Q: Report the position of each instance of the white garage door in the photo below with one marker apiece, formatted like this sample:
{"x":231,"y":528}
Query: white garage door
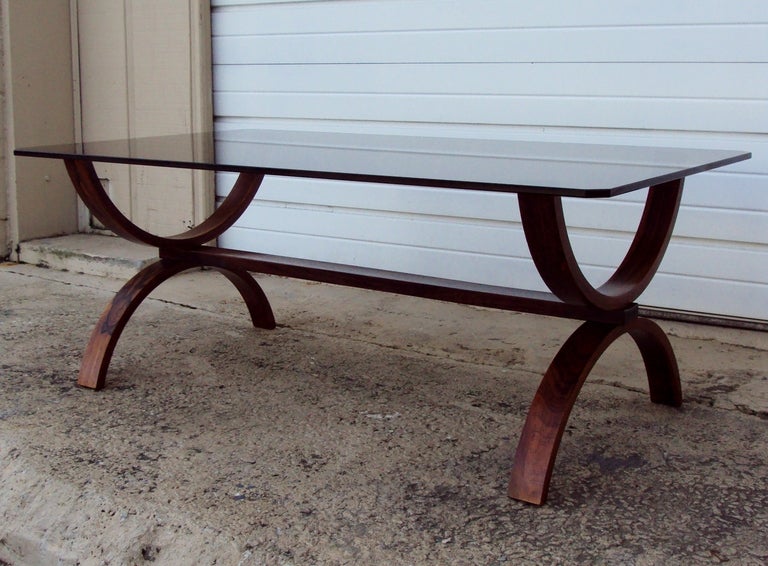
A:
{"x":679,"y":74}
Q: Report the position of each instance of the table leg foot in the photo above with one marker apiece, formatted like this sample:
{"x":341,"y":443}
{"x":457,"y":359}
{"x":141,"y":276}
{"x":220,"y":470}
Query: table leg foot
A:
{"x":253,"y":296}
{"x":106,"y":333}
{"x":98,"y":353}
{"x":557,"y":393}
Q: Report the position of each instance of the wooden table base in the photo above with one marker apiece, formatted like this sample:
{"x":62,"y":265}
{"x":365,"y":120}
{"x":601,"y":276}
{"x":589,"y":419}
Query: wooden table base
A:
{"x":608,"y":310}
{"x":552,"y":404}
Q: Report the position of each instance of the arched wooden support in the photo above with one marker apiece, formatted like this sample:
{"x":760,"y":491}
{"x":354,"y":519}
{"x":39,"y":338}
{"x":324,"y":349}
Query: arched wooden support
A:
{"x":253,"y":296}
{"x":552,"y":404}
{"x":547,"y":236}
{"x":106,"y":333}
{"x":86,"y":182}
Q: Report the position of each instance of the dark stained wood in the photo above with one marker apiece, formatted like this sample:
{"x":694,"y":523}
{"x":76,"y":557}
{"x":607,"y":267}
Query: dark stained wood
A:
{"x":106,"y":333}
{"x":98,"y":353}
{"x":519,"y":300}
{"x":547,"y":237}
{"x":255,"y":299}
{"x":87,"y":184}
{"x":552,"y":404}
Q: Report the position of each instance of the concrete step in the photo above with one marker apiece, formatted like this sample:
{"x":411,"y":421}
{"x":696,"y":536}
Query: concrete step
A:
{"x":92,"y":254}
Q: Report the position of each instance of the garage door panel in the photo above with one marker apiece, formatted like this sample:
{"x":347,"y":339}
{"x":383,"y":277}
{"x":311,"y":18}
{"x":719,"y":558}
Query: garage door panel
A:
{"x":745,"y":192}
{"x":713,"y":115}
{"x":393,"y":204}
{"x":668,"y":291}
{"x":385,"y":199}
{"x":237,"y":17}
{"x":599,"y":253}
{"x":709,"y":261}
{"x":506,"y":270}
{"x":694,"y":44}
{"x":693,"y":295}
{"x":651,"y":73}
{"x":722,"y":80}
{"x":424,"y":231}
{"x":692,"y":222}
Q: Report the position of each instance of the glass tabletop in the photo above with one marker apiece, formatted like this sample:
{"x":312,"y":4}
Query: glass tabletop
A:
{"x":568,"y":169}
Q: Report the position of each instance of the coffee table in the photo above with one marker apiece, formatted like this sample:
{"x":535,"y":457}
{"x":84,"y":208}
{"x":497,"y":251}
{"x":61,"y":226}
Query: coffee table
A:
{"x":539,"y":173}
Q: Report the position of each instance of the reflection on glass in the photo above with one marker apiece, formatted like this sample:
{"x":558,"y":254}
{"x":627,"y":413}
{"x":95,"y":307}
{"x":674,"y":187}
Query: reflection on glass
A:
{"x":570,"y":169}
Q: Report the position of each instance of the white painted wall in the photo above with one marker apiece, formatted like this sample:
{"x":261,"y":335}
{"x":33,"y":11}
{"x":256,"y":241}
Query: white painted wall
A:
{"x":652,"y":73}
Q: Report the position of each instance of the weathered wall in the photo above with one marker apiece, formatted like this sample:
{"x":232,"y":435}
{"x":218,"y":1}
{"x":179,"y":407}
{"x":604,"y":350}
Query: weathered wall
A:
{"x":4,"y":235}
{"x":38,"y":110}
{"x":145,"y":70}
{"x":135,"y":67}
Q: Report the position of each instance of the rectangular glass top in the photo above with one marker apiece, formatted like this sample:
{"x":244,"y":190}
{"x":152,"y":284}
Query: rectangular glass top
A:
{"x":569,"y":169}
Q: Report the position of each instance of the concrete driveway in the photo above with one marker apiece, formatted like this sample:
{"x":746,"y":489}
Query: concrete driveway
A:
{"x":366,"y":429}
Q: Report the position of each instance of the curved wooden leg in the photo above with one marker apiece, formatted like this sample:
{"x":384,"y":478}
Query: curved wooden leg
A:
{"x":547,"y":236}
{"x":659,"y":360}
{"x":98,"y":353}
{"x":254,"y":297}
{"x":104,"y":337}
{"x":557,"y":393}
{"x":89,"y":188}
{"x":106,"y":333}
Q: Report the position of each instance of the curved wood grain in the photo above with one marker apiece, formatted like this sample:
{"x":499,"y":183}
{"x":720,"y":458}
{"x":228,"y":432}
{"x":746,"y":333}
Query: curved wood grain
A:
{"x":253,"y":296}
{"x":87,"y":184}
{"x":547,"y":236}
{"x":557,"y":393}
{"x":106,"y":333}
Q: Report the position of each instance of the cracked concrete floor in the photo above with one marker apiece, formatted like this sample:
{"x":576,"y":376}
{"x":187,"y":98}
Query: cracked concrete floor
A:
{"x":365,"y":429}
